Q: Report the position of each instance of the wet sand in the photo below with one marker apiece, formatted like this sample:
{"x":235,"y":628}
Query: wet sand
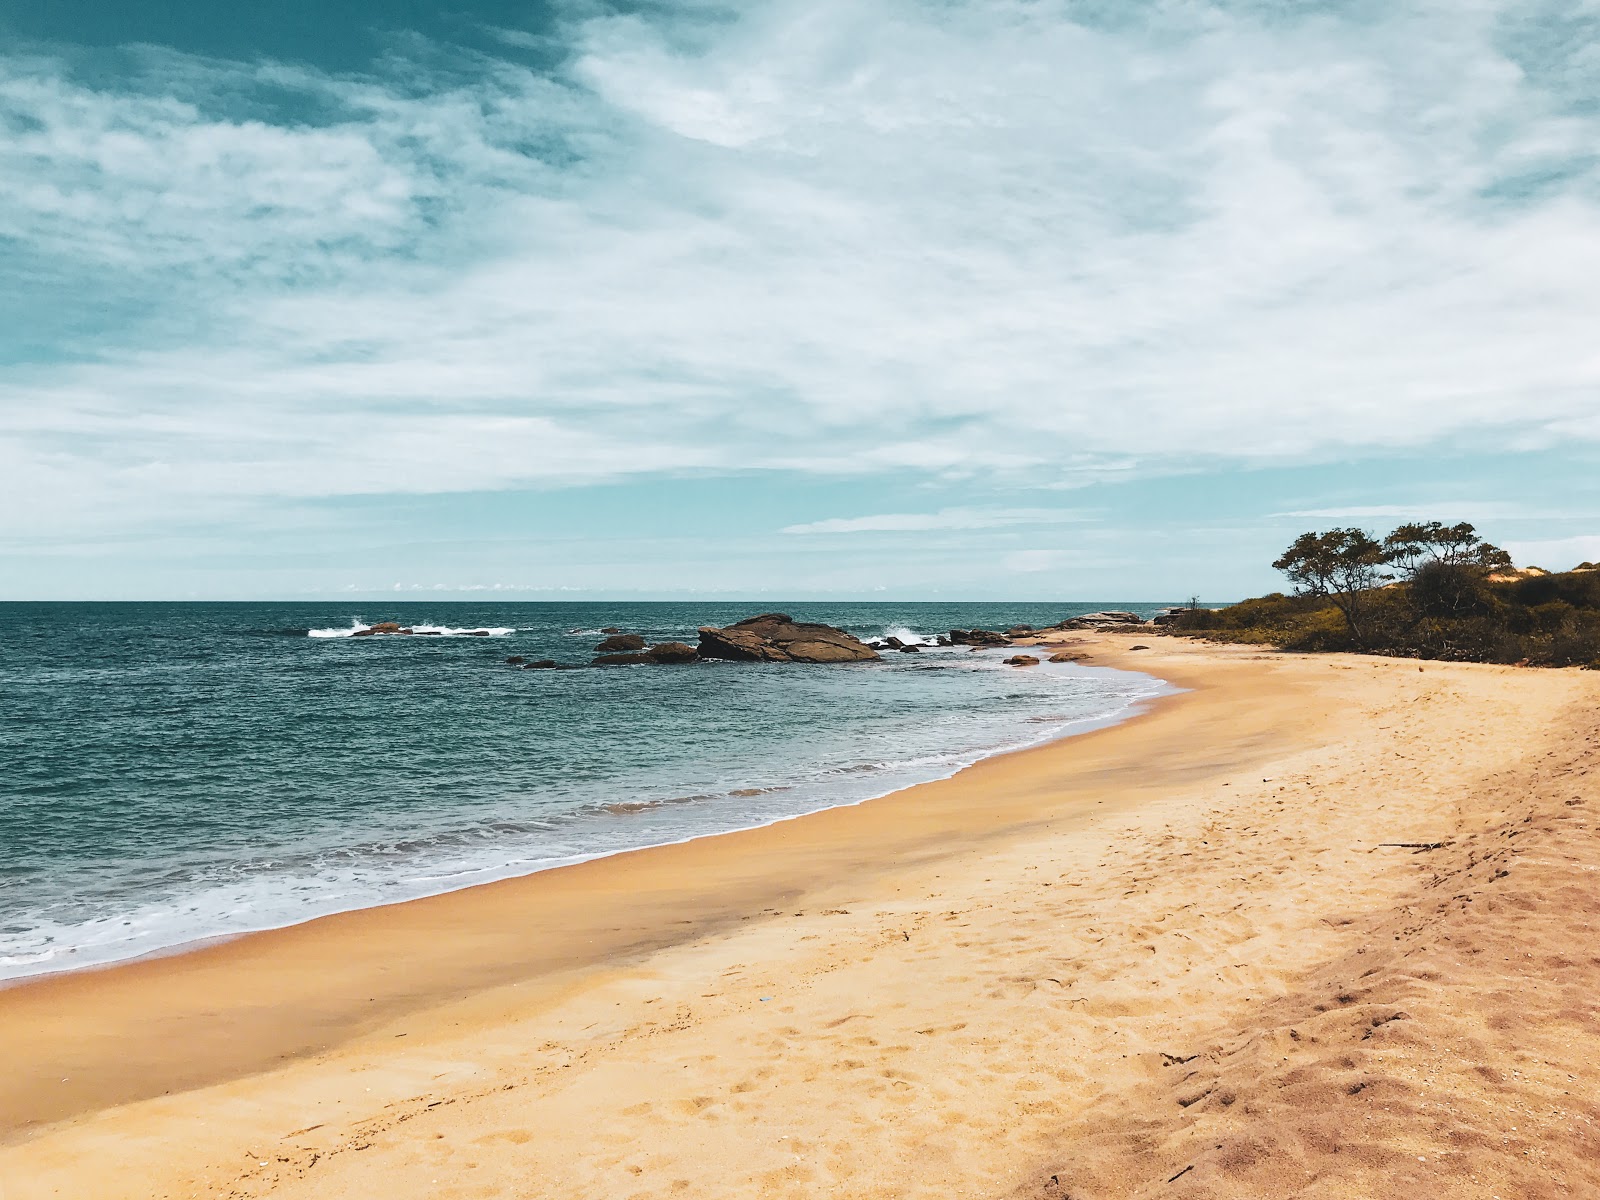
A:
{"x":1179,"y":957}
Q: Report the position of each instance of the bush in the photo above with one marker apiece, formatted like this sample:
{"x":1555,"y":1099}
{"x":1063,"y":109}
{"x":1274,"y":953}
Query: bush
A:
{"x":1447,"y":612}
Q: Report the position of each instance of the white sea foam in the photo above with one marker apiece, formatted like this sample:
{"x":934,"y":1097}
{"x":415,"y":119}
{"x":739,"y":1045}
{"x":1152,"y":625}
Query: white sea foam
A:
{"x":424,"y":630}
{"x":285,"y":886}
{"x":909,"y":636}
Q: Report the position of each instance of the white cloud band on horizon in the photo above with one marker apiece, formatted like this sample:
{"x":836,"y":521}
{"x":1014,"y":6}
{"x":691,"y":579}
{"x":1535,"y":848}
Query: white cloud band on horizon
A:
{"x":949,"y":518}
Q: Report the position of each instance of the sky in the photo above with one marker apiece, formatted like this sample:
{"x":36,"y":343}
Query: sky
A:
{"x":949,"y":299}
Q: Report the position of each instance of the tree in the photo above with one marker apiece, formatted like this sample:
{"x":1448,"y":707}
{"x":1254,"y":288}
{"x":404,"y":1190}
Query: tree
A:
{"x":1342,"y":565}
{"x":1416,"y":546}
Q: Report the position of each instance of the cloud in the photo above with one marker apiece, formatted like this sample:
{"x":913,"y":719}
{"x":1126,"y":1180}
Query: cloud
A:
{"x":1557,"y":554}
{"x":983,"y":240}
{"x":949,"y":518}
{"x":1447,"y":510}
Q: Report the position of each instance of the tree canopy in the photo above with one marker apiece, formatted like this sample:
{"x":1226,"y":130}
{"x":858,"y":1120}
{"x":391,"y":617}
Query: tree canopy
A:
{"x":1342,"y":565}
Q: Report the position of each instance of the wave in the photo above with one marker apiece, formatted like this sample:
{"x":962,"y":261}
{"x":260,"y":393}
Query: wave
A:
{"x":909,"y":636}
{"x":356,"y":626}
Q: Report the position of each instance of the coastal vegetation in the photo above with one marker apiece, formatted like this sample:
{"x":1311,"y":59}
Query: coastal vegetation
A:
{"x":1429,"y":591}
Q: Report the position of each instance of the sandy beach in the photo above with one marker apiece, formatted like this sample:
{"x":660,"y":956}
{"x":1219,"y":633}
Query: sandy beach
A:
{"x":1320,"y":926}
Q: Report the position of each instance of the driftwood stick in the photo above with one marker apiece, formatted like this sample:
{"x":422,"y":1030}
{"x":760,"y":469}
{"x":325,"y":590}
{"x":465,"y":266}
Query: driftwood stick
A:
{"x":1414,"y":845}
{"x":1181,"y":1173}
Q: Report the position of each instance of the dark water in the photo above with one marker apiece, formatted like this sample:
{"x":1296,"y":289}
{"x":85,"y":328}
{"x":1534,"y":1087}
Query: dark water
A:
{"x":178,"y":771}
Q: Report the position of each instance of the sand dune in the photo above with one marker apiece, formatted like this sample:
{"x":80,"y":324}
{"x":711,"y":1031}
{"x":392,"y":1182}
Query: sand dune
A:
{"x":1179,"y":958}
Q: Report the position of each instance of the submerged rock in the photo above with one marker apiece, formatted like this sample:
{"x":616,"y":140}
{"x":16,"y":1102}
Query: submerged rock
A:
{"x":778,"y":637}
{"x":543,"y":664}
{"x":380,"y":627}
{"x":623,"y":660}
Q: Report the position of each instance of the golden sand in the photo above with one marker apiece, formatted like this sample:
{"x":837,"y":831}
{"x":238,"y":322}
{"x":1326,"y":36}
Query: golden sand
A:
{"x":1322,"y":927}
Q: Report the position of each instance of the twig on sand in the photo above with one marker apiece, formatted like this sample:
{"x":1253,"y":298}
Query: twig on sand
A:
{"x":1181,"y":1173}
{"x":1412,"y":845}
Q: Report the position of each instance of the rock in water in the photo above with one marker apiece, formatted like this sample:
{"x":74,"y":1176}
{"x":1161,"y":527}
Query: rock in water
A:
{"x":621,"y":643}
{"x":978,"y":637}
{"x":623,"y":660}
{"x":1022,"y":660}
{"x":777,"y":637}
{"x":380,"y":627}
{"x":672,"y":652}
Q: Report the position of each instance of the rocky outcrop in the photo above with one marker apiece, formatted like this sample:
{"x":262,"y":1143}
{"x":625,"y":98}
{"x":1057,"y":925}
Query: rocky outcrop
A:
{"x":380,"y":627}
{"x":778,"y":637}
{"x":1103,"y":620}
{"x":621,"y":643}
{"x":978,"y":637}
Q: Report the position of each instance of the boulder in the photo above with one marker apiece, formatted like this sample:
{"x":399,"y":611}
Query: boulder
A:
{"x":672,"y":652}
{"x":1022,"y":660}
{"x":893,"y":643}
{"x":630,"y":643}
{"x":1138,"y":647}
{"x":910,"y":649}
{"x":1017,"y":631}
{"x":778,"y":637}
{"x":1062,"y":656}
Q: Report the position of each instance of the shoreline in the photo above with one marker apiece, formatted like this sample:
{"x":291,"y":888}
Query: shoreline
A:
{"x":244,"y":1040}
{"x":1175,"y":945}
{"x":1129,"y":711}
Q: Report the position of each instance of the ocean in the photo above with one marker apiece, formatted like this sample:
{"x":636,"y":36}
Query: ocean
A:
{"x":177,"y":772}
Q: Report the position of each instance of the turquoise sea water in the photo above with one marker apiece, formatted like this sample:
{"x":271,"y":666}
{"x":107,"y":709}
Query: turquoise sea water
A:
{"x":174,"y":772}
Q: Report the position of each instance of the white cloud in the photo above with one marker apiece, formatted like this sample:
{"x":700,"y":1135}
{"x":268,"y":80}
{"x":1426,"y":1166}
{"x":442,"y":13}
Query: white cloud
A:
{"x":1442,"y":510}
{"x":977,"y":238}
{"x":949,"y":518}
{"x":1557,"y":554}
